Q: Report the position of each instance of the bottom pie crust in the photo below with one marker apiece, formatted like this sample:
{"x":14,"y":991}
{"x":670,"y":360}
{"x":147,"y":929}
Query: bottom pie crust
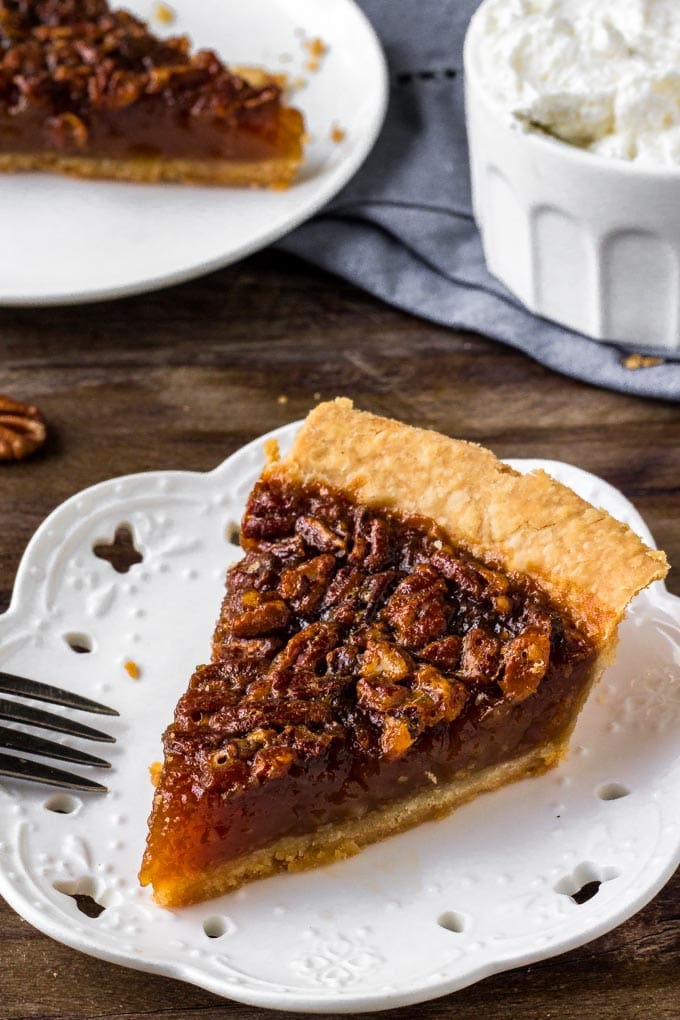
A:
{"x":266,"y":173}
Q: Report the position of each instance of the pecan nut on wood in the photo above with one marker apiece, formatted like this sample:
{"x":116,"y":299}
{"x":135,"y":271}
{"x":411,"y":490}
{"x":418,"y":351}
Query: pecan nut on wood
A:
{"x":22,"y":429}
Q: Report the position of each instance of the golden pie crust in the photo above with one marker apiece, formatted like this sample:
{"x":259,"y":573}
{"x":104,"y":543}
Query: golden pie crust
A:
{"x":590,"y":563}
{"x":269,"y":173}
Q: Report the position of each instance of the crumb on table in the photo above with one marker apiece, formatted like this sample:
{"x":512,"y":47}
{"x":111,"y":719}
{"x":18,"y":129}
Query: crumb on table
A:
{"x":635,"y":361}
{"x":132,"y":669}
{"x":282,"y":399}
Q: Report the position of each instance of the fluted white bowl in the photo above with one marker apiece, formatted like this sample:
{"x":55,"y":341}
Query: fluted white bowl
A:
{"x":589,"y":242}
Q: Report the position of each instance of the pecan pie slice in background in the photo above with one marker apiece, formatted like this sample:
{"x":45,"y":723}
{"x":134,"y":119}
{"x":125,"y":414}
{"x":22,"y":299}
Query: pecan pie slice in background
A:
{"x":91,"y":92}
{"x":413,"y":623}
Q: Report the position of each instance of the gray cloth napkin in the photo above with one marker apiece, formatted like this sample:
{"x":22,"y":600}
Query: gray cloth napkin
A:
{"x":403,"y":229}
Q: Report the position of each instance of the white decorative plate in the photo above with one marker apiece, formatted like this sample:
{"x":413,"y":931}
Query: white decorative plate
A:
{"x":68,"y":241}
{"x":416,"y":916}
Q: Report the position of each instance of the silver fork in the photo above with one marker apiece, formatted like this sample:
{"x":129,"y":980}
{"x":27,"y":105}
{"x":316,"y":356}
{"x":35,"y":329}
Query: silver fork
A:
{"x":17,"y":767}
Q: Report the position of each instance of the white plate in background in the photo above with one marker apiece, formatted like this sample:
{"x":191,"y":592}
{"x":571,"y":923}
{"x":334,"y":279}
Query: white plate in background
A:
{"x":66,"y":241}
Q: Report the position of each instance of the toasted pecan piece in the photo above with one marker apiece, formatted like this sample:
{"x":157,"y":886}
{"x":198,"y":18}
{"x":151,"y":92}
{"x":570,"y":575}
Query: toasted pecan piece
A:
{"x":22,"y":429}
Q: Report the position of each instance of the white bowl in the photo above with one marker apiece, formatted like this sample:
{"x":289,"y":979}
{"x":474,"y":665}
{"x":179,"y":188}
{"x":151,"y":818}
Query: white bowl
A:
{"x":590,"y":242}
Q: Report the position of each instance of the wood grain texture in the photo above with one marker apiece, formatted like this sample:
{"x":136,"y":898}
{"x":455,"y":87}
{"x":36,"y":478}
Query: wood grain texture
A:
{"x":180,"y":379}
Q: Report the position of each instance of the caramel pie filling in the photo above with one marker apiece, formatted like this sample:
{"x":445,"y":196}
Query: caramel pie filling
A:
{"x":358,"y":658}
{"x":79,"y":78}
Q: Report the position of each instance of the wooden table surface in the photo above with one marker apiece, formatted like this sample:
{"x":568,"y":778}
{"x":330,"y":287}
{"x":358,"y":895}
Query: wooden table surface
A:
{"x":180,"y":379}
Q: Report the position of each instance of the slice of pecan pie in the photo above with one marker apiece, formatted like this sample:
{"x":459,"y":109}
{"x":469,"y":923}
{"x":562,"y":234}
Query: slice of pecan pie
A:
{"x":89,"y":91}
{"x":413,"y":623}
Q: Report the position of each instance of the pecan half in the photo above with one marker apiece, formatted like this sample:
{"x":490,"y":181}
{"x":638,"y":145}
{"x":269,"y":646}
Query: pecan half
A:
{"x":444,"y":652}
{"x":342,"y":594}
{"x":417,"y":609}
{"x":385,"y":660}
{"x":256,"y":570}
{"x":248,"y":656}
{"x":448,"y":697}
{"x":375,"y":590}
{"x":308,"y":648}
{"x":472,"y":578}
{"x":22,"y":429}
{"x":371,"y":541}
{"x":526,"y":659}
{"x":480,"y":656}
{"x":262,"y":614}
{"x":305,"y":586}
{"x":319,"y":536}
{"x":378,"y":695}
{"x":273,"y":762}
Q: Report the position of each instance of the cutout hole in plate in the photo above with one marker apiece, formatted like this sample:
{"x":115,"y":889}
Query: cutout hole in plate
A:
{"x":612,"y":791}
{"x":452,"y":921}
{"x":215,"y":926}
{"x":586,"y":892}
{"x":81,"y":644}
{"x":585,"y":881}
{"x":83,"y":893}
{"x":62,"y":804}
{"x":121,"y":553}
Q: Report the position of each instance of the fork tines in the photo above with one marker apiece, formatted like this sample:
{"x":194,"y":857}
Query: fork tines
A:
{"x":14,"y":711}
{"x":25,"y":688}
{"x":17,"y":767}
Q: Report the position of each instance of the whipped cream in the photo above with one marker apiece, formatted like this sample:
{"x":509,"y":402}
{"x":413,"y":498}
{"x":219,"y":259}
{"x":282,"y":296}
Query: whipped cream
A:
{"x":600,"y":74}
